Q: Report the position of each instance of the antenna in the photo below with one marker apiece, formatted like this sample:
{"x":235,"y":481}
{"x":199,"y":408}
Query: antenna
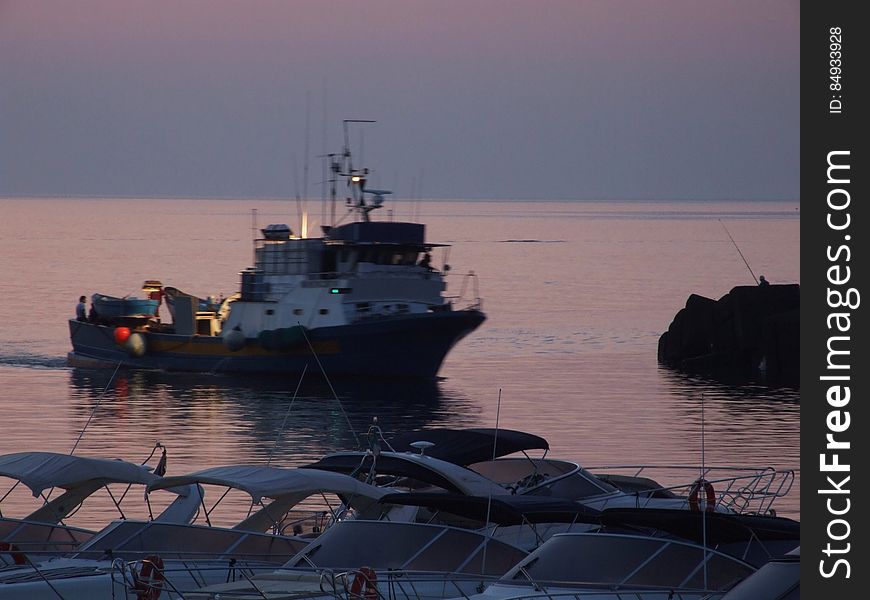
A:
{"x":420,"y":192}
{"x":348,"y":166}
{"x":334,"y":169}
{"x":706,"y":508}
{"x":307,"y":137}
{"x":254,"y":232}
{"x":738,"y":251}
{"x":323,"y":154}
{"x":357,"y":178}
{"x":489,"y":500}
{"x":299,"y":210}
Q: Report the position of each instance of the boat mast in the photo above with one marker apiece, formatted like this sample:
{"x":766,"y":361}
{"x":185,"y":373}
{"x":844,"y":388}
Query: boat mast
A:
{"x":349,"y":171}
{"x":254,"y":233}
{"x":335,"y":169}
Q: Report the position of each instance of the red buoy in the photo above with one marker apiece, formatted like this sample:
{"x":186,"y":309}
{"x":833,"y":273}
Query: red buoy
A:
{"x":122,"y":334}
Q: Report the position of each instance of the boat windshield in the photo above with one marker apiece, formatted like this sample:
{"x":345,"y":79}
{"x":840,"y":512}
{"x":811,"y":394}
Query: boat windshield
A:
{"x":544,"y":477}
{"x":778,"y":579}
{"x":576,"y":486}
{"x":132,"y":539}
{"x":382,"y":545}
{"x":626,"y":560}
{"x":32,"y":536}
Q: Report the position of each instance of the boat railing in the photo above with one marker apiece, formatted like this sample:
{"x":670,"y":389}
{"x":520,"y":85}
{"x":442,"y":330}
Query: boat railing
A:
{"x":390,"y":584}
{"x":208,"y":572}
{"x":746,"y":490}
{"x":471,"y":285}
{"x":604,"y":594}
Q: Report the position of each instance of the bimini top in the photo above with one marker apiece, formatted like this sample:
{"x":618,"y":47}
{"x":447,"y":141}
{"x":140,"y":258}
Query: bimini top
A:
{"x":501,"y":510}
{"x":43,"y":470}
{"x":426,"y":469}
{"x":468,"y":446}
{"x":273,"y":482}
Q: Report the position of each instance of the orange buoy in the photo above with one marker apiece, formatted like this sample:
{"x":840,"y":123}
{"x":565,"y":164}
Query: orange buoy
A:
{"x":122,"y":334}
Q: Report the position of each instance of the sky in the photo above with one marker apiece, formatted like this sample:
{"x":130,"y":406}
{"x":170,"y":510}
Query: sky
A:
{"x":511,"y":99}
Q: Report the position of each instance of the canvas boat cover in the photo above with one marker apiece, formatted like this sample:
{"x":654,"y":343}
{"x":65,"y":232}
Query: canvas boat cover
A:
{"x":428,"y":469}
{"x":501,"y":510}
{"x":469,"y":446}
{"x":42,"y":470}
{"x":714,"y":527}
{"x":274,"y":482}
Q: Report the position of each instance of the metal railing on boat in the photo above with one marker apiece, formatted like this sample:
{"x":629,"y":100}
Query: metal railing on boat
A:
{"x":746,"y":490}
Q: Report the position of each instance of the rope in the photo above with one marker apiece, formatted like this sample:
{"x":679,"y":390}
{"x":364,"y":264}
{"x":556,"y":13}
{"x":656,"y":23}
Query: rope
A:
{"x":489,"y":499}
{"x":287,"y":414}
{"x":329,"y":383}
{"x":99,"y":400}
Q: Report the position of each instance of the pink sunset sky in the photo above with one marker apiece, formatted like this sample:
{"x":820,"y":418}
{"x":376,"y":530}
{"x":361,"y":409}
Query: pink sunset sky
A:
{"x":476,"y":99}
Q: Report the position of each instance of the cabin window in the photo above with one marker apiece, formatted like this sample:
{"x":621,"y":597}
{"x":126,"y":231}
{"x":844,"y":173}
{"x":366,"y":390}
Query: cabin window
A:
{"x":329,"y":261}
{"x":270,"y":311}
{"x":297,"y":311}
{"x":324,"y":311}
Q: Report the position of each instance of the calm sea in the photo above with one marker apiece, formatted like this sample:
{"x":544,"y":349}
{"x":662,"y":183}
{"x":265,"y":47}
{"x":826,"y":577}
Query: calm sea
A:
{"x":576,"y":294}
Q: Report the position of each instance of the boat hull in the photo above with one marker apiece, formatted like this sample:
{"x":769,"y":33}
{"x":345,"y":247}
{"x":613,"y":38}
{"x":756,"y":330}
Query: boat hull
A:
{"x":401,"y":346}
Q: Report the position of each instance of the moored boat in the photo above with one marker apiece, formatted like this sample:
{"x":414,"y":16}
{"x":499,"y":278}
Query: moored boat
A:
{"x":365,"y":298}
{"x":109,"y":307}
{"x":46,"y":531}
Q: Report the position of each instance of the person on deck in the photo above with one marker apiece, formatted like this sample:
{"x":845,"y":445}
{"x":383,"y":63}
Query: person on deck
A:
{"x":81,"y":310}
{"x":426,"y":261}
{"x":762,"y":281}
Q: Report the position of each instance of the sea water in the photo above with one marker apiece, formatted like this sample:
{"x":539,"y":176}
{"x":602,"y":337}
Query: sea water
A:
{"x":576,"y":296}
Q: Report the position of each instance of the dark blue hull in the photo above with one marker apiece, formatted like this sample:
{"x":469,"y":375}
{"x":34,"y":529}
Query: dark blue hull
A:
{"x":403,"y":346}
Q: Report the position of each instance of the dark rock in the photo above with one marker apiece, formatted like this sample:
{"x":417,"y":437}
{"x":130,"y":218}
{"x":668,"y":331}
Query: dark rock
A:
{"x":752,"y":332}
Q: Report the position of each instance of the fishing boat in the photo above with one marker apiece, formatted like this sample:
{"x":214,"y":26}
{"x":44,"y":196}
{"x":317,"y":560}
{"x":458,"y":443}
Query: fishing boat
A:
{"x":363,"y":299}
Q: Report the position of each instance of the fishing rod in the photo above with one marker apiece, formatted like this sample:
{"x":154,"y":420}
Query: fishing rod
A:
{"x":738,"y":251}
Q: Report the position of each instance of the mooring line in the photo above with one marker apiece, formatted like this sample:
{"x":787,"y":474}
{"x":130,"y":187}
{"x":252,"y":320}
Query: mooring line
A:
{"x":329,"y":383}
{"x":99,"y":400}
{"x":287,"y":415}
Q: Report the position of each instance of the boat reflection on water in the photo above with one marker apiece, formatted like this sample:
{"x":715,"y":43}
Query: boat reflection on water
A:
{"x":237,"y":419}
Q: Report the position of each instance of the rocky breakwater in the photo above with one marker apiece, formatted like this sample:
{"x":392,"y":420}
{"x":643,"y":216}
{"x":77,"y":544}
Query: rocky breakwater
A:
{"x":751,"y":333}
